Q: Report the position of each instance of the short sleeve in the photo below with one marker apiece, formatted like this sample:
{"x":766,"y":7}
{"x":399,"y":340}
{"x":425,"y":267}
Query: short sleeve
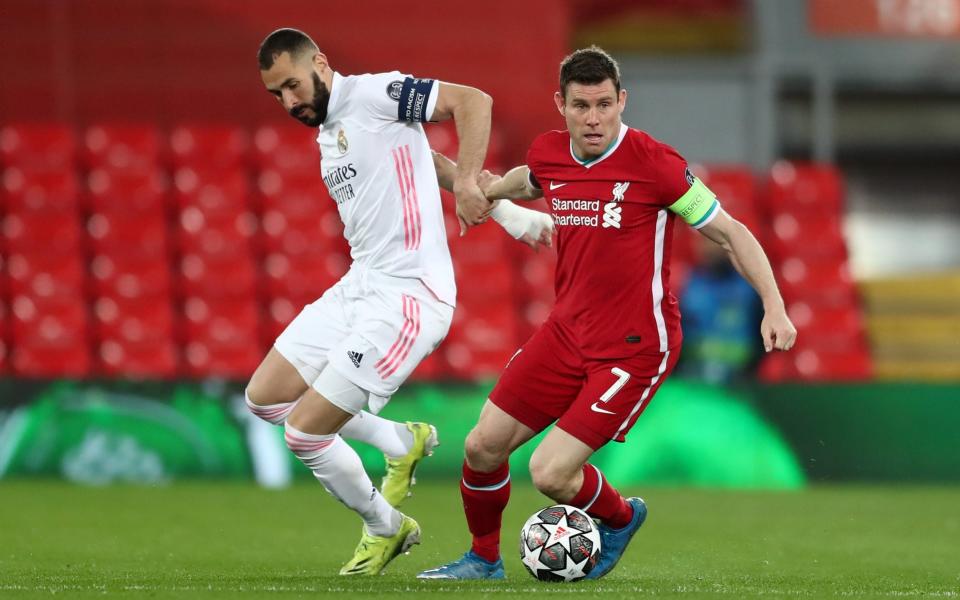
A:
{"x":397,"y":97}
{"x":533,"y":164}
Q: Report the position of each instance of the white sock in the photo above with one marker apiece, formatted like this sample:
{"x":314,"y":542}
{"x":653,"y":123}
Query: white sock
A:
{"x":337,"y":466}
{"x":271,"y":413}
{"x":390,"y":437}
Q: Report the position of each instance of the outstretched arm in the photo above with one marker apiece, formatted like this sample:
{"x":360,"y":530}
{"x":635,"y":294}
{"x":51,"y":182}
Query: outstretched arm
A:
{"x":531,"y":227}
{"x":470,"y":110}
{"x":750,"y":261}
{"x":515,"y":185}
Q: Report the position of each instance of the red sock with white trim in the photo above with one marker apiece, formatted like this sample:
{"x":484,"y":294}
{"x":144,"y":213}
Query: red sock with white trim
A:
{"x":600,"y":500}
{"x":485,"y":495}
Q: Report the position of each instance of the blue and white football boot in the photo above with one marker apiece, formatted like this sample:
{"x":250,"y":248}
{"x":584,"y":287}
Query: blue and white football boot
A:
{"x":469,"y":566}
{"x":613,"y":542}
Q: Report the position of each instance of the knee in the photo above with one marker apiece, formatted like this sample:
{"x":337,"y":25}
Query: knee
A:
{"x":275,"y":414}
{"x":483,"y":453}
{"x":549,"y":479}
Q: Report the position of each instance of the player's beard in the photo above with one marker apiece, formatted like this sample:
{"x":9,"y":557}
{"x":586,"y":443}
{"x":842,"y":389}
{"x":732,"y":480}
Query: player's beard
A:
{"x":321,"y":99}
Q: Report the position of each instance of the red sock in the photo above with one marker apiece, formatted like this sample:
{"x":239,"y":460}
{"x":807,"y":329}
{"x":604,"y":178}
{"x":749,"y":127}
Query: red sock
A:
{"x":485,"y":495}
{"x":599,"y":500}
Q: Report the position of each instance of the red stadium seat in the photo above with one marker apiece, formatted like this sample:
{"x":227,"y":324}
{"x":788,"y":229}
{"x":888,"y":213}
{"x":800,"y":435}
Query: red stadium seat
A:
{"x":280,"y":311}
{"x":221,"y":338}
{"x":432,"y":368}
{"x":122,"y":147}
{"x":36,"y":148}
{"x":130,"y":276}
{"x":43,"y":233}
{"x":824,"y":364}
{"x":486,"y":282}
{"x":302,"y":233}
{"x":216,"y":194}
{"x":443,"y":139}
{"x":208,"y":359}
{"x":815,"y":236}
{"x":137,"y":320}
{"x":47,"y":318}
{"x":51,"y":358}
{"x":50,"y":337}
{"x":487,"y":243}
{"x":223,"y":275}
{"x":209,"y":147}
{"x":481,"y":341}
{"x":4,"y":336}
{"x":198,"y":233}
{"x":125,"y":192}
{"x":137,"y":360}
{"x":828,"y":327}
{"x":803,"y":189}
{"x":139,"y":234}
{"x":278,"y":186}
{"x":823,"y":283}
{"x":46,"y":192}
{"x":303,"y":275}
{"x":46,"y":276}
{"x":290,"y":148}
{"x":230,"y":321}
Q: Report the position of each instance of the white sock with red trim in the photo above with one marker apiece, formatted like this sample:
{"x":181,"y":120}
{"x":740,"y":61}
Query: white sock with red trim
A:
{"x":390,"y":437}
{"x":337,"y":466}
{"x":271,"y":413}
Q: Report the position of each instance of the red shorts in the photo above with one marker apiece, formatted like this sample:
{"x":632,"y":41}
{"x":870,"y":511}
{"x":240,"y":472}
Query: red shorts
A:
{"x":594,"y":400}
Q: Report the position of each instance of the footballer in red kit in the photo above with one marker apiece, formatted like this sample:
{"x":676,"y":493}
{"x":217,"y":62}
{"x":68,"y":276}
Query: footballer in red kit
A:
{"x":614,"y":335}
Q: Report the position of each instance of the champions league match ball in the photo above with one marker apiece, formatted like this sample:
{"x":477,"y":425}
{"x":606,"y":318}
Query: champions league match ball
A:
{"x":559,"y":543}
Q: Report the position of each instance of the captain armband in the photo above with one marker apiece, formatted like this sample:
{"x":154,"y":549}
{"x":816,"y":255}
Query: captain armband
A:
{"x":698,"y":206}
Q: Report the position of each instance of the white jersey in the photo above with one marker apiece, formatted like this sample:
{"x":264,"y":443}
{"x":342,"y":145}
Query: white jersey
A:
{"x":377,"y":166}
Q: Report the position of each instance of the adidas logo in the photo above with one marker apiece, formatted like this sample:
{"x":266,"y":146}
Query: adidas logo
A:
{"x":560,"y":533}
{"x":355,"y":357}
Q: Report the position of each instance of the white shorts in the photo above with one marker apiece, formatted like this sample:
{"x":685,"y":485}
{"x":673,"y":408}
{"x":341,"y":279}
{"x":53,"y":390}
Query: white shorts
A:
{"x":372,"y":329}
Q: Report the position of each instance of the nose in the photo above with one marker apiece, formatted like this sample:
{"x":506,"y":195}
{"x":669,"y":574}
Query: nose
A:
{"x":593,"y":117}
{"x":289,"y":99}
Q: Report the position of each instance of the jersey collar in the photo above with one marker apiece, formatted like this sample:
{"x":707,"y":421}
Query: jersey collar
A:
{"x":335,"y":87}
{"x":610,"y":149}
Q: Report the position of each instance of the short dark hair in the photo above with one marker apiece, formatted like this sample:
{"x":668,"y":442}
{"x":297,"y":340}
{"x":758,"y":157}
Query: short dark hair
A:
{"x":283,"y":40}
{"x":588,"y":66}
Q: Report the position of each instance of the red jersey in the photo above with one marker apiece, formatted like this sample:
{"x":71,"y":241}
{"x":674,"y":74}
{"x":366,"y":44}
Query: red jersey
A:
{"x":614,"y":234}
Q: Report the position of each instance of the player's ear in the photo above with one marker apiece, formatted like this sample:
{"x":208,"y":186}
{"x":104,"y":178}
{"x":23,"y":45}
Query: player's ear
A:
{"x":320,"y":62}
{"x":622,"y":100}
{"x":558,"y":98}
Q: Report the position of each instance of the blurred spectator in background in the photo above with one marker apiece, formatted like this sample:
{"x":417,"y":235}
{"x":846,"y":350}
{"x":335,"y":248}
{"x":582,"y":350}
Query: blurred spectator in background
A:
{"x":720,"y":317}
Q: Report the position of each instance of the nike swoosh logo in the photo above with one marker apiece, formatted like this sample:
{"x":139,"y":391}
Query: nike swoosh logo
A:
{"x":596,"y":408}
{"x":554,"y":186}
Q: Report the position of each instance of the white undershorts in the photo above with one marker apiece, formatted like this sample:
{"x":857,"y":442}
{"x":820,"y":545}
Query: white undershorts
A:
{"x":372,"y":329}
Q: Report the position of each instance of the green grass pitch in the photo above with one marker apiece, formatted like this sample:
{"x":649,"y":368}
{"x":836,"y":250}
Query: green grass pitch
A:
{"x":232,"y":540}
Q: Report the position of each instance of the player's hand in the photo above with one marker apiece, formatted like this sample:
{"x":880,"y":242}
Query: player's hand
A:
{"x":473,"y":208}
{"x":485,"y":180}
{"x":531,"y":227}
{"x":538,"y":231}
{"x":777,"y":331}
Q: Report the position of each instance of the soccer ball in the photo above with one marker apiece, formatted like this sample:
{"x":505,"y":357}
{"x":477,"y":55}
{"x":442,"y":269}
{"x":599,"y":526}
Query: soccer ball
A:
{"x":559,"y":543}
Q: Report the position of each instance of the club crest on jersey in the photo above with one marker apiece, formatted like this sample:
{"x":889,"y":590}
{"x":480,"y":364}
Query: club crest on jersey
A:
{"x":619,"y":189}
{"x":394,"y":89}
{"x":342,"y":145}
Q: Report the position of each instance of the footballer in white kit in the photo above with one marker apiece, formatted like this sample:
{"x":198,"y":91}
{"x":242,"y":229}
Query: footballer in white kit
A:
{"x":396,"y":303}
{"x":357,"y":343}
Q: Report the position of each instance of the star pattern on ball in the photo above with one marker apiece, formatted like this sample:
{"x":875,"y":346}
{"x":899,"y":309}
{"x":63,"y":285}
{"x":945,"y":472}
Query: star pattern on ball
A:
{"x":559,"y":543}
